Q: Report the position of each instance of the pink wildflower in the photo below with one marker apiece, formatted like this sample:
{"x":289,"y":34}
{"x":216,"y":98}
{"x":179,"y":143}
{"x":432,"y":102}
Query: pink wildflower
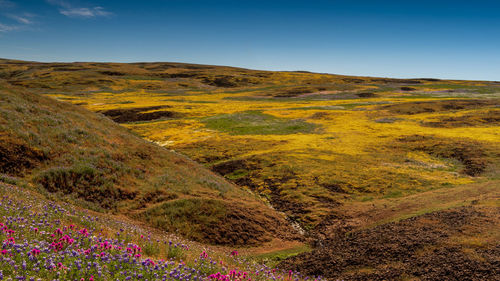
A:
{"x":203,"y":255}
{"x":35,"y":252}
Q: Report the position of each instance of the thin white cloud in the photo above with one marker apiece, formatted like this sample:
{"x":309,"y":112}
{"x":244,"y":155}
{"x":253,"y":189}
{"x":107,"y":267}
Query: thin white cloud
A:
{"x":85,"y":12}
{"x":8,"y":27}
{"x":25,"y":18}
{"x":22,"y":20}
{"x":67,"y":9}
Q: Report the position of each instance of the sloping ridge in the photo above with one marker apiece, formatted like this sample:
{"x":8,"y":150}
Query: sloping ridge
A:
{"x":68,"y":152}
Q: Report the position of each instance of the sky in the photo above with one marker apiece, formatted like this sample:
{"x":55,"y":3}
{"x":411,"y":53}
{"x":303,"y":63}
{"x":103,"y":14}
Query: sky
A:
{"x":407,"y":39}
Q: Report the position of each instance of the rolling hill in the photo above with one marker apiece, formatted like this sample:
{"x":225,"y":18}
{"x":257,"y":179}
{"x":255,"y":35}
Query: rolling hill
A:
{"x":390,"y":178}
{"x":72,"y":154}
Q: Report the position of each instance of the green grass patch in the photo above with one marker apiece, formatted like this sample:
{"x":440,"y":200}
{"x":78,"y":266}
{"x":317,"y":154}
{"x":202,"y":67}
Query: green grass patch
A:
{"x":240,"y":173}
{"x":257,"y":123}
{"x":189,"y":217}
{"x":393,"y":194}
{"x":273,"y":258}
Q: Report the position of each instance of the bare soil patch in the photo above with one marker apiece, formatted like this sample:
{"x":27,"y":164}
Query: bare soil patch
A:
{"x":417,"y":107}
{"x":475,"y":119}
{"x":112,"y":73}
{"x":367,"y":95}
{"x":16,"y":156}
{"x":417,"y":247}
{"x":139,"y":114}
{"x":227,"y":81}
{"x":192,"y":74}
{"x":472,"y":154}
{"x":296,"y":92}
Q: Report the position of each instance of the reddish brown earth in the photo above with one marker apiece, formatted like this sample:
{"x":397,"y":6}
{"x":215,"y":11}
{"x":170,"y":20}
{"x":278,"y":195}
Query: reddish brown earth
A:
{"x":474,"y":155}
{"x":475,"y":119}
{"x":434,"y":246}
{"x":139,"y":114}
{"x":16,"y":155}
{"x":417,"y":107}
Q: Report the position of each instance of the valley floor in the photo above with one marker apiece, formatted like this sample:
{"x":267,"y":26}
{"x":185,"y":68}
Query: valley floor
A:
{"x":387,"y":179}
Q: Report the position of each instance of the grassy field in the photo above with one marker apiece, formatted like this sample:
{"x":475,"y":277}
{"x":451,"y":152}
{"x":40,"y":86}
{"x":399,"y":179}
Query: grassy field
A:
{"x":305,"y":142}
{"x":361,"y":154}
{"x":69,"y":153}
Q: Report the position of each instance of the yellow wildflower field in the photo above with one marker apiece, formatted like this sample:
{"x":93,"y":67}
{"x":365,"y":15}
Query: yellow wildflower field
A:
{"x":308,"y":142}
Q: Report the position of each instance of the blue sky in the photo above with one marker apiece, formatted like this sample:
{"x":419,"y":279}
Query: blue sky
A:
{"x":443,"y":39}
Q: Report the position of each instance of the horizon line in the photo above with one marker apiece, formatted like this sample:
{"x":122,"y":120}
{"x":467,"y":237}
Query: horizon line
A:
{"x":246,"y":68}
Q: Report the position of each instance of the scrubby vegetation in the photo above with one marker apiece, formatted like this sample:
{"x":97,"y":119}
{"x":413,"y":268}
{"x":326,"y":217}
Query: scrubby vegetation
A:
{"x":337,"y":155}
{"x":216,"y":221}
{"x":308,"y":141}
{"x":72,"y":154}
{"x":44,"y":240}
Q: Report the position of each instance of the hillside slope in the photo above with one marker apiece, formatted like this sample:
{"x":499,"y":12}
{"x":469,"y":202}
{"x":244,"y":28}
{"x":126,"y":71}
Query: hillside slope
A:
{"x":392,"y":179}
{"x":47,"y":240}
{"x":68,"y":152}
{"x":307,"y":142}
{"x":443,"y":234}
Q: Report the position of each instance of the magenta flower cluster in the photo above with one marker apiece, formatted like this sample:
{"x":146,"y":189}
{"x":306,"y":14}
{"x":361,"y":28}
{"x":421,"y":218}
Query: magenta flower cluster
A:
{"x":43,"y":240}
